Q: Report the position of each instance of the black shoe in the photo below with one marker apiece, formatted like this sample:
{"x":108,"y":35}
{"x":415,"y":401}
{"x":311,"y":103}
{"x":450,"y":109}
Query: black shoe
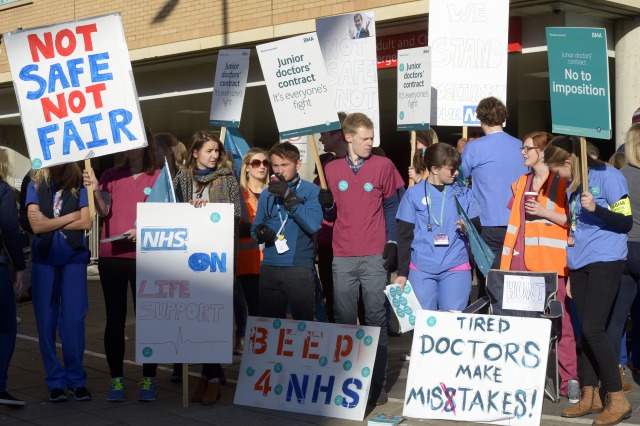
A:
{"x":176,"y":375}
{"x":377,"y":396}
{"x":81,"y":394}
{"x":9,"y":401}
{"x":57,"y":395}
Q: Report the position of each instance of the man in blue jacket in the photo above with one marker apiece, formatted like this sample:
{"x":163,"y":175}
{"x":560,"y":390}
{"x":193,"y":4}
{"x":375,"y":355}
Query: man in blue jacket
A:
{"x":288,"y":216}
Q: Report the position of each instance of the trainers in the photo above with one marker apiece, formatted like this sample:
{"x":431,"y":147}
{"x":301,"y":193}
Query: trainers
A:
{"x":239,"y":346}
{"x":116,"y":390}
{"x":10,"y":401}
{"x":57,"y":395}
{"x":81,"y":393}
{"x":573,"y":391}
{"x":147,"y":391}
{"x":406,"y":356}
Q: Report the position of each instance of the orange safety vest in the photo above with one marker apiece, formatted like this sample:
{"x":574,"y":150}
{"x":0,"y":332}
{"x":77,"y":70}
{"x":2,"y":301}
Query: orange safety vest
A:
{"x":545,"y":242}
{"x":249,"y":254}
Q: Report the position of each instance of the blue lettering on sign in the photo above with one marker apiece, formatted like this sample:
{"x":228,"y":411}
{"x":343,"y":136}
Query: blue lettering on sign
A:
{"x":199,"y":262}
{"x":164,"y":239}
{"x":328,"y":389}
{"x":348,"y":392}
{"x":469,"y":116}
{"x":294,"y":386}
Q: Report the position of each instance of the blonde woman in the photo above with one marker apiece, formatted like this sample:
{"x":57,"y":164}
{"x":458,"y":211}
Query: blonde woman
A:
{"x":58,"y":211}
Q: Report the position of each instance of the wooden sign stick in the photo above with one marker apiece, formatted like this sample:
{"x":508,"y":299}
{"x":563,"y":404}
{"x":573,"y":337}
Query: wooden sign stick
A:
{"x":311,"y":141}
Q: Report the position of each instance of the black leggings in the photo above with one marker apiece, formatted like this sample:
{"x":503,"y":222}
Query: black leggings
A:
{"x":116,"y":274}
{"x":594,"y":288}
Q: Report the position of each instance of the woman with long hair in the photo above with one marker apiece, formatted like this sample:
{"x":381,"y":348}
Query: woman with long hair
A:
{"x":600,"y":218}
{"x":10,"y":254}
{"x":58,"y":211}
{"x":536,"y":240}
{"x":117,"y":195}
{"x":206,"y":180}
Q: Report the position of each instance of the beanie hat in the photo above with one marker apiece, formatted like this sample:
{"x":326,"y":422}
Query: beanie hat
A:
{"x":636,"y":117}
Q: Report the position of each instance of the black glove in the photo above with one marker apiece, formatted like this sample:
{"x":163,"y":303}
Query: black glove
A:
{"x":280,"y":187}
{"x":390,"y":256}
{"x":264,"y":234}
{"x":291,"y":200}
{"x":325,"y":198}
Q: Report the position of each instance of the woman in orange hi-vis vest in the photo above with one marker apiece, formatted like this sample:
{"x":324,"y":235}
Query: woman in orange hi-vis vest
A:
{"x":536,"y":240}
{"x":253,"y":179}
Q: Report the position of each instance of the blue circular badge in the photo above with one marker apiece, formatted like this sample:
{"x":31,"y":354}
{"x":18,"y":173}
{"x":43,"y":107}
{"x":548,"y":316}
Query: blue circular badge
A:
{"x":147,"y":191}
{"x":401,"y":115}
{"x":360,"y":334}
{"x":407,"y":288}
{"x":277,"y":368}
{"x":401,"y":67}
{"x":278,"y":389}
{"x":338,"y":400}
{"x":365,"y":372}
{"x":147,"y":352}
{"x":277,"y":323}
{"x":431,"y":321}
{"x":322,"y":361}
{"x":302,"y":326}
{"x":595,"y":190}
{"x":368,"y":187}
{"x":250,"y":371}
{"x":343,"y":185}
{"x":37,"y":163}
{"x":215,"y":217}
{"x":347,"y":365}
{"x":368,"y":341}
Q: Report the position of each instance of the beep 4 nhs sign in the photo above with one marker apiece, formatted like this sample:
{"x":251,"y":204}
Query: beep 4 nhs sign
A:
{"x":75,"y":90}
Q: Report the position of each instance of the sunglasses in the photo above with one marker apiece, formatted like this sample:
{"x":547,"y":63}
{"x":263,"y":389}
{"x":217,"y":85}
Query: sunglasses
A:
{"x":256,"y":163}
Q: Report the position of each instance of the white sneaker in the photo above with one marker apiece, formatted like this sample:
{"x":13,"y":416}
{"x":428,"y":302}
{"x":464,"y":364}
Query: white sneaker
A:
{"x":406,"y":356}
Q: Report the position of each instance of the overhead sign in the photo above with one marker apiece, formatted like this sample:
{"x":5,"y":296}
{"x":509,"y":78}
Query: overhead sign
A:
{"x":468,"y":40}
{"x":351,"y":63}
{"x":489,"y":368}
{"x":579,"y":82}
{"x":414,"y":89}
{"x":184,"y":283}
{"x":75,"y":90}
{"x":298,"y":88}
{"x":307,"y":367}
{"x":229,"y":87}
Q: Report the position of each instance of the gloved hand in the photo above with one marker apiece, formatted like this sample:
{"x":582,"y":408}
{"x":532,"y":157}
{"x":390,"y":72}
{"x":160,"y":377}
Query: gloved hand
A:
{"x":264,"y":234}
{"x":390,"y":256}
{"x":291,"y":199}
{"x":279,"y":187}
{"x":325,"y":198}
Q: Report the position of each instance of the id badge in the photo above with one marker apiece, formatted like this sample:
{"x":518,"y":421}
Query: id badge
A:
{"x":281,"y":245}
{"x":571,"y":241}
{"x":441,"y":240}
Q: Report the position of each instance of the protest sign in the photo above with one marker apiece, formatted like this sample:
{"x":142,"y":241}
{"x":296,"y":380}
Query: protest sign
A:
{"x":297,"y":84}
{"x":184,"y":283}
{"x":489,"y":368}
{"x":307,"y":367}
{"x":524,"y":293}
{"x":404,"y":304}
{"x":229,"y":87}
{"x":414,"y":89}
{"x":468,"y":40}
{"x":75,"y":90}
{"x":301,"y":142}
{"x":579,"y":82}
{"x":352,"y":64}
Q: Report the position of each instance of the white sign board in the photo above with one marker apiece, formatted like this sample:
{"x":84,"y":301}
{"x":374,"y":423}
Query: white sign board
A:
{"x":488,"y":368}
{"x":184,"y":283}
{"x":75,"y":90}
{"x":297,"y":84}
{"x":404,"y":304}
{"x":524,"y":293}
{"x":352,"y":64}
{"x":301,"y":143}
{"x":229,"y":87}
{"x":469,"y":42}
{"x":307,"y":367}
{"x":414,"y":88}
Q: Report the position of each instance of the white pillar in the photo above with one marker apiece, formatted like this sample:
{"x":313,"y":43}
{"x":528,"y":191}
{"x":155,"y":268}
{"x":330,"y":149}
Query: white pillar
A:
{"x":627,"y":75}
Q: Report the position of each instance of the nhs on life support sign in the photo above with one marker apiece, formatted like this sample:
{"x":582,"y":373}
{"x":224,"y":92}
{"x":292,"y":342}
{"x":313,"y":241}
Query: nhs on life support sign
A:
{"x":75,"y":90}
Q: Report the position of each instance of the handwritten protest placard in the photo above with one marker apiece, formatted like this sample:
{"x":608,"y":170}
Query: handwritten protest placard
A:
{"x":297,"y":84}
{"x":414,"y":88}
{"x":75,"y":90}
{"x":489,"y":368}
{"x":524,"y":293}
{"x":579,"y":81}
{"x":348,"y":45}
{"x":184,"y":283}
{"x":404,"y":304}
{"x":307,"y":367}
{"x":469,"y":44}
{"x":229,"y":87}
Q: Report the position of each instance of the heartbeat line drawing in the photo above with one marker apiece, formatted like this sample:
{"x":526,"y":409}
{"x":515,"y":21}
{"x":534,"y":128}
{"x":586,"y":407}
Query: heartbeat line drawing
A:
{"x":180,"y":340}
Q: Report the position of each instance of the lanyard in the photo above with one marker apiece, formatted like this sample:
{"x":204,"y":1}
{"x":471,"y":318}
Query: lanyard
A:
{"x":427,"y":194}
{"x":286,"y":213}
{"x":574,"y":211}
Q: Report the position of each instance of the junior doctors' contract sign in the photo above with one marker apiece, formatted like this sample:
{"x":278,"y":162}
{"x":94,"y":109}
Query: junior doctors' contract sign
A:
{"x":229,"y":87}
{"x":75,"y":90}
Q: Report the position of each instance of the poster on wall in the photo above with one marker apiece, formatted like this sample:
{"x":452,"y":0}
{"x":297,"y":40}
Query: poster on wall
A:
{"x":491,"y":369}
{"x":469,"y":43}
{"x":579,"y":82}
{"x":307,"y":367}
{"x":75,"y":90}
{"x":229,"y":87}
{"x":348,"y":44}
{"x":414,"y":89}
{"x":184,"y":283}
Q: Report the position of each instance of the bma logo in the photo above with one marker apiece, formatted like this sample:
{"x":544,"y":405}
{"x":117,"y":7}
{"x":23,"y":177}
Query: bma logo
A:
{"x":308,"y":39}
{"x":164,"y":239}
{"x":469,"y":116}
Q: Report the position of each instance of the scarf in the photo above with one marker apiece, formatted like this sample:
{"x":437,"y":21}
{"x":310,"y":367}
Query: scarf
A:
{"x":218,"y":181}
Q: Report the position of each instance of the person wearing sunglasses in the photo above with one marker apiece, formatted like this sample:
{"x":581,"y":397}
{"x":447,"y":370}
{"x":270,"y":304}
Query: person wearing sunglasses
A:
{"x":253,"y":180}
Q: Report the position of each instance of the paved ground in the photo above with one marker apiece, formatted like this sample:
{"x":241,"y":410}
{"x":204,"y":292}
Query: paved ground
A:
{"x":26,"y":381}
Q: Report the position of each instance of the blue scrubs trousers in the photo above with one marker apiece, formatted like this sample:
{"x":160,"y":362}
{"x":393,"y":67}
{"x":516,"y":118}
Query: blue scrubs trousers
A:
{"x":60,"y":304}
{"x":447,"y":291}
